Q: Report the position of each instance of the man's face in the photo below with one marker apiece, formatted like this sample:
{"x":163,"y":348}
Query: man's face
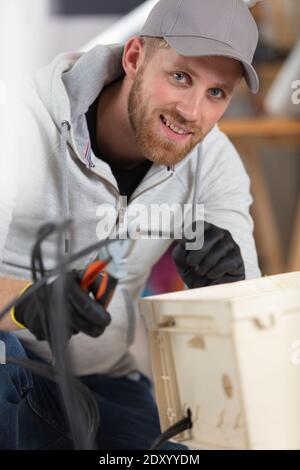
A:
{"x":175,"y":101}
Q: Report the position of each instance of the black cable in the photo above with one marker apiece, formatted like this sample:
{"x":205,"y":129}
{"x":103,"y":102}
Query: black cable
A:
{"x":45,"y":231}
{"x":37,"y":262}
{"x":58,"y":316}
{"x":80,"y":404}
{"x":83,"y":420}
{"x":54,"y":272}
{"x":177,"y":428}
{"x":45,"y":370}
{"x":37,"y":259}
{"x":48,"y":372}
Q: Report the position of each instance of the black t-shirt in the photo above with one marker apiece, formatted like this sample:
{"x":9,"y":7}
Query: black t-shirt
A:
{"x":128,"y":180}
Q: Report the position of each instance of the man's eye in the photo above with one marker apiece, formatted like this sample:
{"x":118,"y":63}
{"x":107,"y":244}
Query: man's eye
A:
{"x":217,"y":93}
{"x":179,"y":77}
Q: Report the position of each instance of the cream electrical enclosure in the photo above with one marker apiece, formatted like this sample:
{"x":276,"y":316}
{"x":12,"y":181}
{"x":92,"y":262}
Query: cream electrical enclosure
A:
{"x":231,"y":354}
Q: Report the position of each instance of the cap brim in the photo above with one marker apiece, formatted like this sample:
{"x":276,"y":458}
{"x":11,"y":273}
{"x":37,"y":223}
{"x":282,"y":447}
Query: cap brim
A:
{"x":201,"y":47}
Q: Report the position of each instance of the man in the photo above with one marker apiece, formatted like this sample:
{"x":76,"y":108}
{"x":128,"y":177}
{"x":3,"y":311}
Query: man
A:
{"x":136,"y":121}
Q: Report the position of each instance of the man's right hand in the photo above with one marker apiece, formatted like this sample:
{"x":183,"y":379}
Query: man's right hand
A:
{"x":84,"y":313}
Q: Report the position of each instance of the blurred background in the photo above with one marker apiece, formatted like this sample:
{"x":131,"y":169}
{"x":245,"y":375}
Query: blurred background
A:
{"x":265,"y":128}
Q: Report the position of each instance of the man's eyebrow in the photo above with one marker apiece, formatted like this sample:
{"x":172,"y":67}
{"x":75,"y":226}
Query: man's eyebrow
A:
{"x":182,"y":67}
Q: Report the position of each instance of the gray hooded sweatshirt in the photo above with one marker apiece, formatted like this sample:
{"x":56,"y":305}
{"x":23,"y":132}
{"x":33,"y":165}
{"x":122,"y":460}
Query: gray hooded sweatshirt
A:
{"x":48,"y":171}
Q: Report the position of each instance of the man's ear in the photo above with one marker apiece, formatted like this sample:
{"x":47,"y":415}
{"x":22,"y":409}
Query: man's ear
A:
{"x":133,"y":56}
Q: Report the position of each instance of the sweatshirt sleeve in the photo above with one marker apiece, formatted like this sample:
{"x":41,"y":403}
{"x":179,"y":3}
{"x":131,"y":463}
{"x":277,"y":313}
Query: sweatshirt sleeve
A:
{"x":8,"y":173}
{"x":225,"y":194}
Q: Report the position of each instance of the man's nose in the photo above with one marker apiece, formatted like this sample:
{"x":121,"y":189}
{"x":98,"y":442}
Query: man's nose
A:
{"x":190,"y":107}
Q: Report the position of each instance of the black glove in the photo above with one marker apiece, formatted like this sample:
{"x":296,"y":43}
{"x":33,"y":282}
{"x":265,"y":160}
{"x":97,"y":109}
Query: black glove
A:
{"x":218,"y":261}
{"x":84,"y":313}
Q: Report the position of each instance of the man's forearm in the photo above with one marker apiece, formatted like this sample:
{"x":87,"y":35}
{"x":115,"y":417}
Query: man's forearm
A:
{"x":9,"y":289}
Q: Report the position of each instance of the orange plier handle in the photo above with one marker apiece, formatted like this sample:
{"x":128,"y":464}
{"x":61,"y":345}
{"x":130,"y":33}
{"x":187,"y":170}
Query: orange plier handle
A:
{"x":91,"y":273}
{"x":94,"y":279}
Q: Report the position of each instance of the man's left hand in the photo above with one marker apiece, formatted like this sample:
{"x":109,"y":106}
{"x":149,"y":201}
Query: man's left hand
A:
{"x":218,"y":261}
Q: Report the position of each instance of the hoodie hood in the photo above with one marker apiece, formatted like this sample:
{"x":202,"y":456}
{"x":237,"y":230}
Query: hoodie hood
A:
{"x":90,"y":74}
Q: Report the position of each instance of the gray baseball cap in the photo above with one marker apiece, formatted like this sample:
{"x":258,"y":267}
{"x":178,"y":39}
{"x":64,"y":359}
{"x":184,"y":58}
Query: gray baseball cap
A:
{"x":207,"y":28}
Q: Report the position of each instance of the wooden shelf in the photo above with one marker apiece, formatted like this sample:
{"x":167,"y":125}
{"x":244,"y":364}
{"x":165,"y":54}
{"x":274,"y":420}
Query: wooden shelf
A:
{"x":261,"y":127}
{"x":245,"y":134}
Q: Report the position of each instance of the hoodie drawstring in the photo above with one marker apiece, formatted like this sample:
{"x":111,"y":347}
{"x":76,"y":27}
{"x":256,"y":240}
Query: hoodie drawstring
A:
{"x":65,"y":129}
{"x":197,"y":183}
